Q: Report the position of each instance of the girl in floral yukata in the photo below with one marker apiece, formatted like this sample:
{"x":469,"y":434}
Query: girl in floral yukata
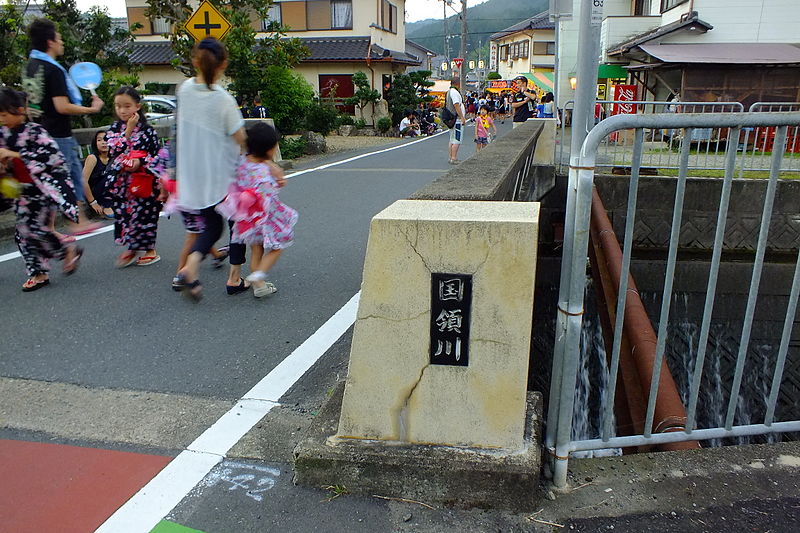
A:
{"x":135,"y":166}
{"x":36,"y":163}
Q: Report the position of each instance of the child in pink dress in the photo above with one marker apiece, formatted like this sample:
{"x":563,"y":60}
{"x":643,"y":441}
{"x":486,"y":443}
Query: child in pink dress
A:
{"x":258,"y":216}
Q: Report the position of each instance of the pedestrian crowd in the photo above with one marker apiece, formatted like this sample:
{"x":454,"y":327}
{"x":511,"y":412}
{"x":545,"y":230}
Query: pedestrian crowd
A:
{"x":216,"y":172}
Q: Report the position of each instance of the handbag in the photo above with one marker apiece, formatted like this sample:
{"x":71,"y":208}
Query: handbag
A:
{"x":141,"y":185}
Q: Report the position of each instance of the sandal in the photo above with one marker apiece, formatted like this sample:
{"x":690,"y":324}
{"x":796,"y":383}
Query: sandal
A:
{"x":265,"y":290}
{"x":67,"y":239}
{"x":177,"y":284}
{"x":71,"y":266}
{"x":148,"y":260}
{"x":236,"y":289}
{"x":219,"y":261}
{"x":126,"y":259}
{"x":30,"y":285}
{"x":192,"y":290}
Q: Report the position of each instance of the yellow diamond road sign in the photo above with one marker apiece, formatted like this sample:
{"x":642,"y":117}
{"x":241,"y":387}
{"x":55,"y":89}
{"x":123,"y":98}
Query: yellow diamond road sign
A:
{"x":207,"y":22}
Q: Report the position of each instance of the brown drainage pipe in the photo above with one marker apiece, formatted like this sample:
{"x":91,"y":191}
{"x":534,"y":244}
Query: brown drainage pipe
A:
{"x":639,"y":336}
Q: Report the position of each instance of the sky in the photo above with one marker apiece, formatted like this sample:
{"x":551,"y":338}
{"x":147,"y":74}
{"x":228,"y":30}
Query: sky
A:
{"x":416,"y":9}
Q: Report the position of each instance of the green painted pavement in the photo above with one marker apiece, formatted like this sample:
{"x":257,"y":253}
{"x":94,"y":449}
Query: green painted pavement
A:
{"x":166,"y":526}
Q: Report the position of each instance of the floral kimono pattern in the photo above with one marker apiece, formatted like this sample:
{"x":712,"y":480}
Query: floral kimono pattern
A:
{"x":258,"y":215}
{"x":51,"y":189}
{"x":136,"y":219}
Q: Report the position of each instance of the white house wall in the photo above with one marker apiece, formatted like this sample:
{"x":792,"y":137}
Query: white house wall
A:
{"x":568,"y":44}
{"x":745,"y":21}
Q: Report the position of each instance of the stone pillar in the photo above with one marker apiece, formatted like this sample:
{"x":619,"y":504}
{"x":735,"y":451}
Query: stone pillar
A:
{"x":397,"y":390}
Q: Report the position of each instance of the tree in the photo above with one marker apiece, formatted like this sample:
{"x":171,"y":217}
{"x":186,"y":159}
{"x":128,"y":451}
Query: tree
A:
{"x":13,"y":44}
{"x":420,"y":80}
{"x":250,"y":56}
{"x":365,"y":94}
{"x":407,"y":91}
{"x":494,"y":76}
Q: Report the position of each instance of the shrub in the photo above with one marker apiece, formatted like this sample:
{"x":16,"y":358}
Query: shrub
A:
{"x":292,"y":148}
{"x":287,"y":95}
{"x":494,"y":76}
{"x":345,"y":120}
{"x":321,"y":117}
{"x":360,"y":124}
{"x":384,"y":124}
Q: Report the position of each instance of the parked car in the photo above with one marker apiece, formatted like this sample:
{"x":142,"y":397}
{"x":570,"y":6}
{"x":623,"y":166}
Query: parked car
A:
{"x":160,"y":108}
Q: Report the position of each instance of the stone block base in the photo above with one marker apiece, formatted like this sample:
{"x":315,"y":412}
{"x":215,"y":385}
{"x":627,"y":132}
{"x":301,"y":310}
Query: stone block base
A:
{"x":436,"y":475}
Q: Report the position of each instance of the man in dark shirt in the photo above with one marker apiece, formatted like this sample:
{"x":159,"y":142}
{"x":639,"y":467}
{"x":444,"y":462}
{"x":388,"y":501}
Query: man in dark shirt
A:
{"x":51,"y":100}
{"x":258,"y":111}
{"x":522,"y":101}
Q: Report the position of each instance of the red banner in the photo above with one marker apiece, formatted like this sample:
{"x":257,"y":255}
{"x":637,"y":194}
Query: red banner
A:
{"x":626,"y":93}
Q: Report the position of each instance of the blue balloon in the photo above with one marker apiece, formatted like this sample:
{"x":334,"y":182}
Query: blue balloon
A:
{"x":86,"y":75}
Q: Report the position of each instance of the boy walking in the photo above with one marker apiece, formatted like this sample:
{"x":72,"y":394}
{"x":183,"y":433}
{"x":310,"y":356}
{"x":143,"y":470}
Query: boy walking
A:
{"x":53,"y":98}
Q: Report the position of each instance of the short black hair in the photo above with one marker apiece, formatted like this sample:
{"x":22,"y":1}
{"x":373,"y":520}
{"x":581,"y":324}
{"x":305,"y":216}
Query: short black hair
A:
{"x":261,"y":138}
{"x":40,"y":31}
{"x":11,"y":101}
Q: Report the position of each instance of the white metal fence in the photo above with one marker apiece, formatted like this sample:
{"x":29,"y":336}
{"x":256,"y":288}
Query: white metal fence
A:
{"x":661,"y":146}
{"x":573,"y":284}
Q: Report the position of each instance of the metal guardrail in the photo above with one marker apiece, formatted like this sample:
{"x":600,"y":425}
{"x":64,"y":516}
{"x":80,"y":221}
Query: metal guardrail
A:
{"x":573,"y":285}
{"x":709,"y":144}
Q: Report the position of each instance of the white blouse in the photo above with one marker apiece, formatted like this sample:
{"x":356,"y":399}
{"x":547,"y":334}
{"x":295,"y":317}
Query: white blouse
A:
{"x":206,"y":151}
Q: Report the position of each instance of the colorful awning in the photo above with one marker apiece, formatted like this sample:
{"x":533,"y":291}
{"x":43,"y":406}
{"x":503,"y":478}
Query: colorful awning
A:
{"x":542,"y":80}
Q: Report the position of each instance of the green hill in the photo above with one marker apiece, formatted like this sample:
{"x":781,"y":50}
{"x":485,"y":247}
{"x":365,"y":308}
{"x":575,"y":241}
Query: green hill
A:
{"x":482,"y":21}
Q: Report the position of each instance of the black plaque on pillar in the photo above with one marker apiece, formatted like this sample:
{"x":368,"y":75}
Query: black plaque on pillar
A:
{"x":451,"y":307}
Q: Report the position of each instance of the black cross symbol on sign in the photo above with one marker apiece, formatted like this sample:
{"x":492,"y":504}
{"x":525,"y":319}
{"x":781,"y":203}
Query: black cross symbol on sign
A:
{"x":207,"y":26}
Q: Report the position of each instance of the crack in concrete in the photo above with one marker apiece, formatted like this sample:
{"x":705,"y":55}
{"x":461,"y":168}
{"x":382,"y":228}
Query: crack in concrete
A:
{"x":402,"y":418}
{"x":413,"y":245}
{"x":490,"y":341}
{"x":485,"y":259}
{"x":397,"y":320}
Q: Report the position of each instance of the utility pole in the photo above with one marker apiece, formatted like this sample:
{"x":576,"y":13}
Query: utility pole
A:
{"x":463,"y":51}
{"x":446,"y":34}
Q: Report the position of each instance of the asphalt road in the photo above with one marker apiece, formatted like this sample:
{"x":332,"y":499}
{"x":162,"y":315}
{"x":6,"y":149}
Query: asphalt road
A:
{"x":125,"y":329}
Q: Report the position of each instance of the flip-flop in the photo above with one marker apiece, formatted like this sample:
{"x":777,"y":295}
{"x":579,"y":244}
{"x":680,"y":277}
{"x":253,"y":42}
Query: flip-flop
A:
{"x":67,"y":239}
{"x":241,"y":287}
{"x":148,"y":260}
{"x":36,"y":286}
{"x":177,"y":284}
{"x":71,"y":266}
{"x":126,"y":259}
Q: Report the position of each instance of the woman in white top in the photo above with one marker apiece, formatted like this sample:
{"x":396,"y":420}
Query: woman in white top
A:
{"x":210,"y":138}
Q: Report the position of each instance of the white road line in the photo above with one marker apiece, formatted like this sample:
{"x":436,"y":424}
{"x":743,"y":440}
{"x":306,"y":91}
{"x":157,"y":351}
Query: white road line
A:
{"x":105,"y":229}
{"x":355,"y":158}
{"x":155,"y":500}
{"x":15,"y":255}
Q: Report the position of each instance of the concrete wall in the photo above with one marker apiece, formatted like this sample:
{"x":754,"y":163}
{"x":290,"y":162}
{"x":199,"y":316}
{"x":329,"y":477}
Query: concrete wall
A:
{"x":504,"y":170}
{"x":656,"y":198}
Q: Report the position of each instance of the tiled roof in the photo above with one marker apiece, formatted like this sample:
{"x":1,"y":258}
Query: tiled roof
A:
{"x":151,"y":53}
{"x":537,"y":22}
{"x":337,"y":48}
{"x":417,"y":46}
{"x":322,"y":49}
{"x":353,"y":49}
